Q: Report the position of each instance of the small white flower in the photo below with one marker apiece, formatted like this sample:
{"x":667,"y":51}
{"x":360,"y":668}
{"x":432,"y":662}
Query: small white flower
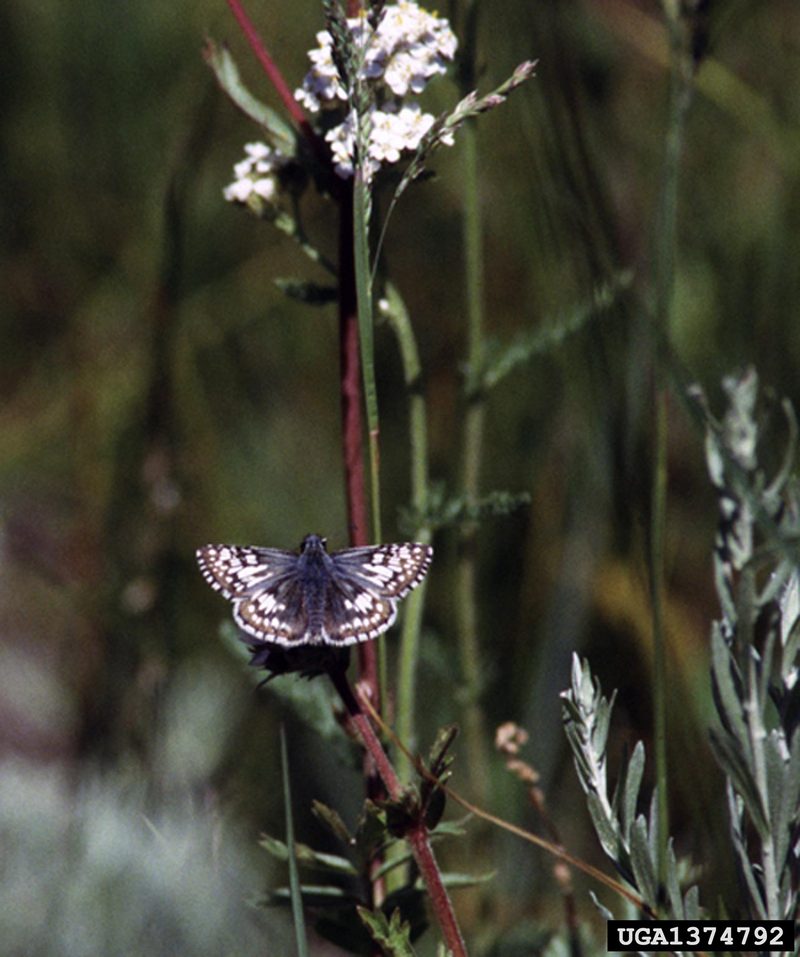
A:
{"x":256,"y":175}
{"x":266,"y":187}
{"x":408,"y":47}
{"x":258,"y":151}
{"x":415,"y":124}
{"x":238,"y":191}
{"x":386,"y":138}
{"x":407,"y":72}
{"x":342,"y":142}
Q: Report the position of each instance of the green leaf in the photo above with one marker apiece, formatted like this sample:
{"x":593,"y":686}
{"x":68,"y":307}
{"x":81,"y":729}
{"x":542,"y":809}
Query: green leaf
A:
{"x":644,"y":870}
{"x":729,"y":695}
{"x":412,"y":904}
{"x":394,"y":861}
{"x":308,"y":857}
{"x":605,"y":913}
{"x":633,"y":781}
{"x":392,"y":935}
{"x":787,"y":797}
{"x":729,"y":757}
{"x":604,"y":828}
{"x":602,"y":724}
{"x":502,"y":359}
{"x":441,"y":512}
{"x":450,"y":828}
{"x":225,"y":70}
{"x":333,"y":821}
{"x":653,"y":832}
{"x":314,"y":895}
{"x":735,"y":811}
{"x":455,"y":879}
{"x":371,"y":833}
{"x":673,"y":884}
{"x":438,"y":759}
{"x":790,"y":621}
{"x":691,"y":904}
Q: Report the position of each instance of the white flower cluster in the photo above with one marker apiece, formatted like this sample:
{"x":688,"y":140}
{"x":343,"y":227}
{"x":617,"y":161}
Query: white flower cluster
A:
{"x":408,"y":47}
{"x":256,"y":176}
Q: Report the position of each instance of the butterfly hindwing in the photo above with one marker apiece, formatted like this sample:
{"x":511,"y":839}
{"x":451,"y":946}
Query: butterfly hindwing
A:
{"x":278,"y":613}
{"x":354,"y":613}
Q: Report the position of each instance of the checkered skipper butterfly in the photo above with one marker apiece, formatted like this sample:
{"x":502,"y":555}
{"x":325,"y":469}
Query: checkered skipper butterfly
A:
{"x":314,"y":597}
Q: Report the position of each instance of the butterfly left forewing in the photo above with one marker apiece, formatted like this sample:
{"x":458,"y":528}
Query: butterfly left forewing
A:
{"x":233,"y":570}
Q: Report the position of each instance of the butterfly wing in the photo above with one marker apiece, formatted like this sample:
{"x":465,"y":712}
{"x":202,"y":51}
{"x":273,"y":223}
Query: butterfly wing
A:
{"x":390,"y":571}
{"x":353,"y":612}
{"x":365,"y":586}
{"x":235,"y":570}
{"x":350,"y":598}
{"x":275,"y":611}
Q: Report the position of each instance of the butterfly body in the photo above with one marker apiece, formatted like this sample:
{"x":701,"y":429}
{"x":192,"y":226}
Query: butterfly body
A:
{"x":314,"y":597}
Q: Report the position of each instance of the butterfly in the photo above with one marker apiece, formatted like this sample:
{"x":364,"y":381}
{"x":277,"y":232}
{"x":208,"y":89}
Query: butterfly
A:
{"x":313,"y":597}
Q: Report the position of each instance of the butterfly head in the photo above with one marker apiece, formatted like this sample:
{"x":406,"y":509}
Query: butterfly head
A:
{"x":313,"y":544}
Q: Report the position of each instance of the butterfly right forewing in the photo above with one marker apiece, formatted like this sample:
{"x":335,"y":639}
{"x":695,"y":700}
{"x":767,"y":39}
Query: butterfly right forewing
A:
{"x":388,"y":570}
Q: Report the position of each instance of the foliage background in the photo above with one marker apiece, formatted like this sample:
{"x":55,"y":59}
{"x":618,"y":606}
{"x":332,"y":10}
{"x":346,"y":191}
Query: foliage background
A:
{"x":159,"y":392}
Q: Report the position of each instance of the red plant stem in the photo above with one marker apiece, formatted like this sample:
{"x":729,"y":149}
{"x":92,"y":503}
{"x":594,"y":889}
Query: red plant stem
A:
{"x":417,"y":834}
{"x":440,"y":899}
{"x":353,"y":415}
{"x":361,"y":721}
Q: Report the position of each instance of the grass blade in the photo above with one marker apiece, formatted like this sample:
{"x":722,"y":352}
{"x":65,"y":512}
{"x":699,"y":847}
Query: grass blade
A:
{"x":294,"y":876}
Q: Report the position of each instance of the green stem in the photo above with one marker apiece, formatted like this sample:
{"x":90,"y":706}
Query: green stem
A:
{"x":361,"y":214}
{"x":418,"y":450}
{"x":294,"y":875}
{"x":466,"y":572}
{"x":665,"y":246}
{"x":361,"y":217}
{"x":658,"y":508}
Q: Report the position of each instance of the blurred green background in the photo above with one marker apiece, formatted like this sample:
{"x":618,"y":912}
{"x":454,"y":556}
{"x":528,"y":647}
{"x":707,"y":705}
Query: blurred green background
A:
{"x":160,"y":392}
